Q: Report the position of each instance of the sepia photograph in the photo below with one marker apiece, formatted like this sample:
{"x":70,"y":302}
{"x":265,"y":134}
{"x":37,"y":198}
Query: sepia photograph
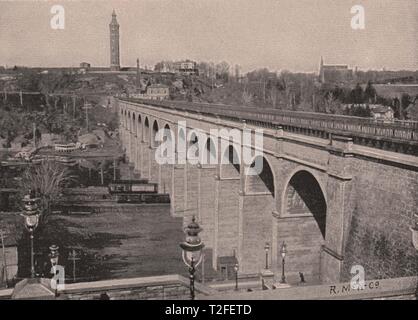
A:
{"x":225,"y":151}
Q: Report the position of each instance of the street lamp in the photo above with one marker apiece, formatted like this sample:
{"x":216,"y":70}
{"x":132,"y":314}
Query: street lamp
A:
{"x":31,"y":215}
{"x":192,"y":251}
{"x":267,"y":249}
{"x":283,"y":252}
{"x":53,"y":256}
{"x":236,"y":268}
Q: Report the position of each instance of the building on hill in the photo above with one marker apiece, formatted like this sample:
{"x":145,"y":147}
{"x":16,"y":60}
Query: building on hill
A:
{"x":85,"y":65}
{"x":158,"y":92}
{"x":334,"y":73}
{"x":380,"y":112}
{"x":186,"y":67}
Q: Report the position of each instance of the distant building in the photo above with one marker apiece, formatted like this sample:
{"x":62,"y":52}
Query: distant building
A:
{"x":334,"y":73}
{"x":114,"y":44}
{"x":381,"y":112}
{"x":158,"y":92}
{"x":378,"y":111}
{"x":49,"y":139}
{"x":18,"y":143}
{"x":85,"y":65}
{"x":186,"y":67}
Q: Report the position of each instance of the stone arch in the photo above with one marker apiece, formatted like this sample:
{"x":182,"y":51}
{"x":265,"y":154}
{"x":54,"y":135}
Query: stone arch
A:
{"x":181,"y":136}
{"x":192,"y":145}
{"x":129,"y":121}
{"x":168,"y":130}
{"x":304,"y":196}
{"x":146,"y":130}
{"x":209,"y":154}
{"x":169,"y":137}
{"x":230,"y":163}
{"x":155,"y":128}
{"x":260,"y":179}
{"x":134,"y":127}
{"x":139,"y":126}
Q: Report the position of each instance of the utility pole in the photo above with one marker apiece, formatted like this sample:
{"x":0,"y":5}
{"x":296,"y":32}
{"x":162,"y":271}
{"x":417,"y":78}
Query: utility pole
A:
{"x":114,"y":169}
{"x":138,"y":76}
{"x":73,"y":107}
{"x":34,"y":134}
{"x":73,"y":257}
{"x":87,"y":106}
{"x":21,"y":98}
{"x":5,"y":95}
{"x":101,"y":173}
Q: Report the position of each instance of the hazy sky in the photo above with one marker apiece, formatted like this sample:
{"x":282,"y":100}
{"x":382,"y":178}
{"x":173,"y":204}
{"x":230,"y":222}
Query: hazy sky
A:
{"x":278,"y":34}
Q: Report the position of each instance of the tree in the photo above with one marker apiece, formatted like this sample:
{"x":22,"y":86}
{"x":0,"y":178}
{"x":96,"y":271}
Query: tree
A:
{"x":332,"y":104}
{"x":273,"y":96}
{"x":370,"y":93}
{"x":222,"y":71}
{"x":412,"y":111}
{"x":357,"y":95}
{"x":405,"y":102}
{"x":247,"y":97}
{"x":47,"y":180}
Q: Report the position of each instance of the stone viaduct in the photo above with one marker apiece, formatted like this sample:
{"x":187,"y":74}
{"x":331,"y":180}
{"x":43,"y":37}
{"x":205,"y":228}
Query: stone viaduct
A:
{"x":338,"y":191}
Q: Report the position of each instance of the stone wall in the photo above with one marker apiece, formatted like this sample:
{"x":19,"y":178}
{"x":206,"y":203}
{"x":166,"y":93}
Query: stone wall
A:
{"x":170,"y":287}
{"x":304,"y":240}
{"x":379,"y":238}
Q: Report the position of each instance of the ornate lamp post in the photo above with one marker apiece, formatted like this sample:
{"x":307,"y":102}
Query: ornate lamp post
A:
{"x":236,"y":268}
{"x":53,"y":256}
{"x":31,"y":215}
{"x":192,"y":251}
{"x":267,"y":249}
{"x":283,"y":252}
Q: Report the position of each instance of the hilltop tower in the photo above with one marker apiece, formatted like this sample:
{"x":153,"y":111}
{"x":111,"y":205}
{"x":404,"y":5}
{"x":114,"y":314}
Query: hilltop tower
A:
{"x":114,"y":44}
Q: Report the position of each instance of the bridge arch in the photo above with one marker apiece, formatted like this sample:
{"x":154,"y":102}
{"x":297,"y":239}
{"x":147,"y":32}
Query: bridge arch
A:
{"x":155,"y":128}
{"x":304,"y":195}
{"x":168,"y":137}
{"x":230,"y":163}
{"x":209,"y":154}
{"x":129,"y":121}
{"x":139,"y":126}
{"x":260,"y":179}
{"x":134,"y":127}
{"x":146,"y":129}
{"x":125,"y":119}
{"x":193,"y":146}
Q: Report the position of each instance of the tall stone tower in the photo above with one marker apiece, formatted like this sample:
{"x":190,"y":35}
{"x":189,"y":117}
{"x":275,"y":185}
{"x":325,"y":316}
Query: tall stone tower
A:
{"x":114,"y":43}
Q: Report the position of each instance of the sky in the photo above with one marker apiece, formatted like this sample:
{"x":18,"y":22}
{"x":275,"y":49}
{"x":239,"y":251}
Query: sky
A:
{"x":277,"y":34}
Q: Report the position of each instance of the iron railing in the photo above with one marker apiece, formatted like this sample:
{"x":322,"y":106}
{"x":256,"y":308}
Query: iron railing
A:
{"x":402,"y":131}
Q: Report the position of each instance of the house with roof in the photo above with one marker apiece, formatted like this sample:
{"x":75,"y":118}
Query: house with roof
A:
{"x":381,"y":112}
{"x":158,"y":92}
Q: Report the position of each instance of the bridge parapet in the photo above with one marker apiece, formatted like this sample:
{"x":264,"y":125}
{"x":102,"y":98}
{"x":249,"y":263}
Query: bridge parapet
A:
{"x":397,"y":136}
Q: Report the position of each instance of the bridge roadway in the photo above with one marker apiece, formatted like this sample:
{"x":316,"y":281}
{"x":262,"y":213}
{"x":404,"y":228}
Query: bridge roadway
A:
{"x":398,"y":136}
